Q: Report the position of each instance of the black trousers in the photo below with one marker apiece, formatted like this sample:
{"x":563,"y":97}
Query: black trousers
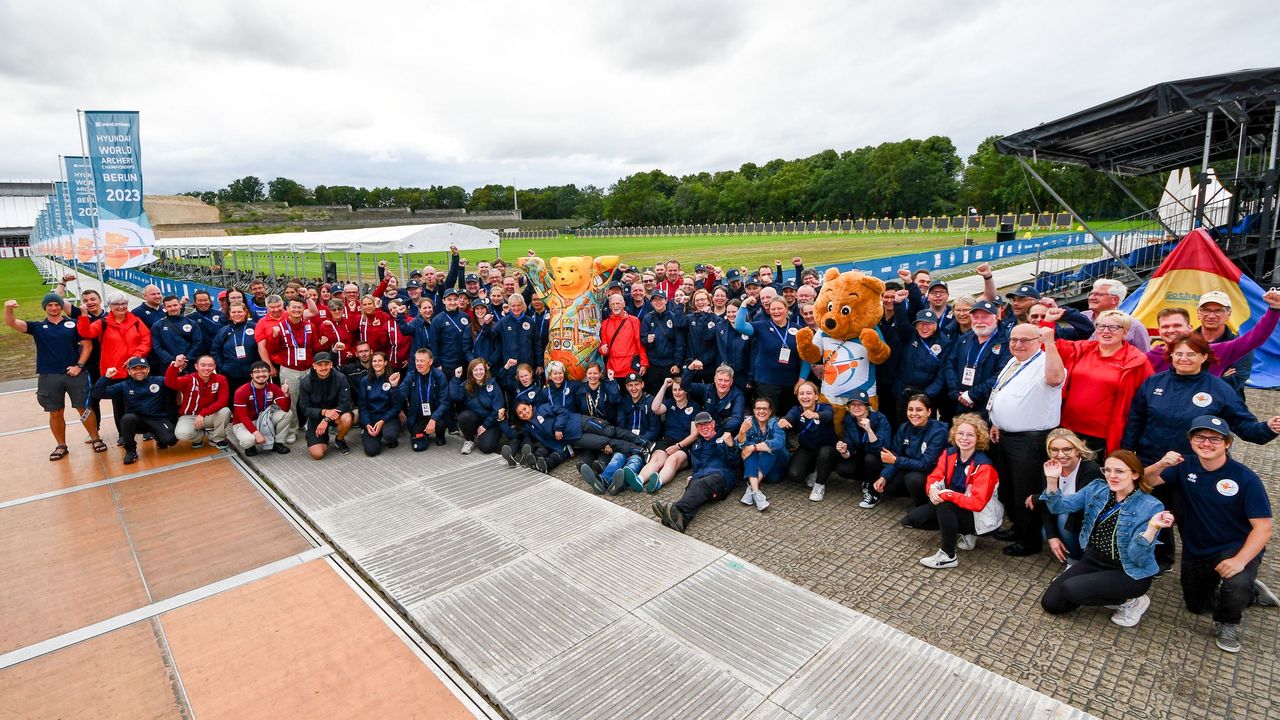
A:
{"x":1171,"y":497}
{"x":781,"y":396}
{"x":390,"y":434}
{"x":863,"y":466}
{"x":907,"y":484}
{"x":1019,"y":459}
{"x":950,"y":519}
{"x":699,"y":492}
{"x":469,"y":422}
{"x":889,"y":404}
{"x":1088,"y":583}
{"x":655,"y":376}
{"x":417,"y":432}
{"x":131,"y":424}
{"x":807,"y":460}
{"x":1204,"y":590}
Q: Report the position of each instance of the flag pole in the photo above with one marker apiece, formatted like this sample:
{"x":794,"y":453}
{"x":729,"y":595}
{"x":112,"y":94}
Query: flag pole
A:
{"x":93,"y":217}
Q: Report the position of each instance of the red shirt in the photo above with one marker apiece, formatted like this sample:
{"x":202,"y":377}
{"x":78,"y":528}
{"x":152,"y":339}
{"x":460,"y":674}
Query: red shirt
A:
{"x":370,"y":328}
{"x":196,"y":396}
{"x":295,"y":345}
{"x":250,"y":402}
{"x":1100,"y":389}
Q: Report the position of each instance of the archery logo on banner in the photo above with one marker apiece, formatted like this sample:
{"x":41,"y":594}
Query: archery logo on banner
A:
{"x":116,"y":159}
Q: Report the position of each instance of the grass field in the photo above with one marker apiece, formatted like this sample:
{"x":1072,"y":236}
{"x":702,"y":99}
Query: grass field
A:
{"x":722,"y":250}
{"x":20,"y":281}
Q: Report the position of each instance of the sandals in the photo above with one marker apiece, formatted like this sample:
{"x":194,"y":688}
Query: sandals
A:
{"x":58,"y":453}
{"x":99,"y":446}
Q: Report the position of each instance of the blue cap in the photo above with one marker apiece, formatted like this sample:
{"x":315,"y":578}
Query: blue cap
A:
{"x":473,"y":278}
{"x":1026,"y":291}
{"x":415,"y":283}
{"x":658,"y":294}
{"x":985,"y":306}
{"x":450,"y":291}
{"x":135,"y":362}
{"x":862,"y":397}
{"x":937,"y":283}
{"x":1210,"y":422}
{"x":753,"y":280}
{"x":927,"y":316}
{"x":633,"y":377}
{"x":733,"y":274}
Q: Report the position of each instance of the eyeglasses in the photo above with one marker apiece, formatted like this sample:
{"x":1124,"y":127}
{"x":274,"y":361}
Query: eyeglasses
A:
{"x":1115,"y":471}
{"x":1062,"y":451}
{"x":1210,"y":440}
{"x":1108,"y":328}
{"x":1013,"y":340}
{"x":1186,"y":355}
{"x":1219,"y":311}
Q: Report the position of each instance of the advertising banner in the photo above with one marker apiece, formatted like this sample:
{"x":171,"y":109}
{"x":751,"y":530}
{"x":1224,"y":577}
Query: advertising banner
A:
{"x":116,"y":159}
{"x":80,"y":203}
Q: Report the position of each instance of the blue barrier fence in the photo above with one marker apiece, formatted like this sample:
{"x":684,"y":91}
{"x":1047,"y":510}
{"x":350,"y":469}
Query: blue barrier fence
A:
{"x":887,"y":267}
{"x":139,"y":279}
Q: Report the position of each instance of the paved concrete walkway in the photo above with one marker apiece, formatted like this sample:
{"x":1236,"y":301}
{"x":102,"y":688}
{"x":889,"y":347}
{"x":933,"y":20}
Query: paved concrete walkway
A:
{"x":560,"y":604}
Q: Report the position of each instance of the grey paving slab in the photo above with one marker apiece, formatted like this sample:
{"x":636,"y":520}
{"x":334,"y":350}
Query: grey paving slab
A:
{"x":630,"y":560}
{"x":314,"y":485}
{"x":769,"y":711}
{"x":759,"y":625}
{"x":437,"y":560}
{"x":375,"y":521}
{"x":630,"y":670}
{"x":502,"y":626}
{"x":547,"y":514}
{"x":486,"y":482}
{"x":873,"y":670}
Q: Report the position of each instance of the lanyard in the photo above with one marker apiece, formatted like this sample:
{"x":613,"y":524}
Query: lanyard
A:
{"x":452,"y":322}
{"x":1018,"y":372}
{"x":637,"y":412}
{"x":424,"y":398}
{"x":982,"y":350}
{"x":924,"y":342}
{"x":593,"y":400}
{"x":243,"y":329}
{"x":782,"y":334}
{"x":306,"y":334}
{"x":1114,"y":509}
{"x":258,"y":406}
{"x":564,"y":392}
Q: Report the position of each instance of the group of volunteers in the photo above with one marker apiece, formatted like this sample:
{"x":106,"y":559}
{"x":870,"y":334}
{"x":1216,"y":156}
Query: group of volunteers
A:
{"x":1009,"y":417}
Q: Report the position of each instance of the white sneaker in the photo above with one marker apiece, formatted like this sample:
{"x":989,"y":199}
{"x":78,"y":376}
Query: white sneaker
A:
{"x":811,"y":479}
{"x":467,"y":447}
{"x":748,"y":497}
{"x":1128,"y":614}
{"x":939,"y":561}
{"x":819,"y":492}
{"x":966,"y":542}
{"x":762,"y":503}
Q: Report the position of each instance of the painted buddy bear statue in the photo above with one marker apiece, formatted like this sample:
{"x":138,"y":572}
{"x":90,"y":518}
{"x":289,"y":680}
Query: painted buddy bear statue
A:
{"x":848,"y":343}
{"x":573,"y":289}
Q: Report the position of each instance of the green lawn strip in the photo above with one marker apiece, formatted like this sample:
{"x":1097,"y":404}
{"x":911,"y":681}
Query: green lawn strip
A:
{"x":19,"y":280}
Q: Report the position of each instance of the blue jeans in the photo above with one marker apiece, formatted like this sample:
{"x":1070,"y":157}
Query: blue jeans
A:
{"x":620,"y":460}
{"x":761,"y":463}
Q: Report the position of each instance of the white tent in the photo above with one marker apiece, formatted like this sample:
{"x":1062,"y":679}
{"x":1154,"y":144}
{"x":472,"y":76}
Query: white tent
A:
{"x":399,"y":239}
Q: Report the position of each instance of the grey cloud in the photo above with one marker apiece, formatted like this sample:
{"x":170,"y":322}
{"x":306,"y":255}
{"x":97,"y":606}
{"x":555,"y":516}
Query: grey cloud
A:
{"x":667,"y":36}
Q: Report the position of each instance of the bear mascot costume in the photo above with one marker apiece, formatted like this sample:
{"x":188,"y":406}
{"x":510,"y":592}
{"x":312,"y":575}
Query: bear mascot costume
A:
{"x":848,"y":344}
{"x":573,"y":289}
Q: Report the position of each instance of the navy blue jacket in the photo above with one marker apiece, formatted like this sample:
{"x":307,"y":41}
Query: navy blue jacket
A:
{"x":728,"y":411}
{"x":667,"y":346}
{"x":519,"y":338}
{"x":920,"y":361}
{"x":547,"y":420}
{"x":1166,"y":403}
{"x":171,"y":337}
{"x":856,"y":438}
{"x":735,"y":349}
{"x":639,"y":312}
{"x":421,"y":332}
{"x":916,"y":301}
{"x":223,"y":349}
{"x":563,"y":396}
{"x":917,"y":448}
{"x":814,"y":433}
{"x":600,"y":403}
{"x":145,"y":398}
{"x":451,"y":335}
{"x":988,"y":359}
{"x":487,"y":345}
{"x":211,"y":321}
{"x":638,"y":417}
{"x":378,"y":399}
{"x":707,"y":457}
{"x":702,"y":332}
{"x":416,"y":388}
{"x":677,"y":421}
{"x":769,"y":340}
{"x":484,"y":402}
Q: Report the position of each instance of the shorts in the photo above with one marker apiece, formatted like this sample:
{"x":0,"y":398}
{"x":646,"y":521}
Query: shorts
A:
{"x":312,"y":438}
{"x":665,"y":443}
{"x":52,"y":389}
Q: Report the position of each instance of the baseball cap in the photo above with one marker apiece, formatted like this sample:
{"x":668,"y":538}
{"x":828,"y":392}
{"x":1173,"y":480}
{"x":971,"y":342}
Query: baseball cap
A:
{"x":753,"y":280}
{"x":633,"y":377}
{"x":1210,"y":422}
{"x":927,"y":316}
{"x":938,"y":283}
{"x":414,"y":283}
{"x":789,"y":284}
{"x":733,"y":274}
{"x":860,"y":396}
{"x":450,"y":291}
{"x":322,"y":356}
{"x":1026,"y":291}
{"x":658,"y":294}
{"x":135,"y":362}
{"x":985,"y":306}
{"x":1214,"y":296}
{"x":615,"y":285}
{"x":703,"y":417}
{"x":472,"y":277}
{"x":415,"y":274}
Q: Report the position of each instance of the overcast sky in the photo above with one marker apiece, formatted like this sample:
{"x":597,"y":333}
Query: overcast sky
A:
{"x":538,"y":93}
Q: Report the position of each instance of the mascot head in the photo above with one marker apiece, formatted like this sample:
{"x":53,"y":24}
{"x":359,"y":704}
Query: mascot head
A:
{"x":571,"y":276}
{"x":848,"y":303}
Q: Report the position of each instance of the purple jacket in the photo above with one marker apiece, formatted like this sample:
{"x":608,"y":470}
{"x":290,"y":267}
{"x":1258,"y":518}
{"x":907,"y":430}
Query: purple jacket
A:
{"x":1227,"y":352}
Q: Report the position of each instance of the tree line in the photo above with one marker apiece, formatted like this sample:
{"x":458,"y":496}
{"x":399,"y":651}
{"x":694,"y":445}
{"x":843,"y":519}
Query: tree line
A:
{"x":894,"y":179}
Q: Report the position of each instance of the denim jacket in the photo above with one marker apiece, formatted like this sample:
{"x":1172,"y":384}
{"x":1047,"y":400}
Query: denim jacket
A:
{"x":1137,"y":554}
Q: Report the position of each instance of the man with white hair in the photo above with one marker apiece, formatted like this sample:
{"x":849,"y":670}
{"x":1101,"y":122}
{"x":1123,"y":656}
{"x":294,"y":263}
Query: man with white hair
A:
{"x":1107,"y":295}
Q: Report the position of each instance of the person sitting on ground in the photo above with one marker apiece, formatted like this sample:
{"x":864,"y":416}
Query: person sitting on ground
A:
{"x":203,"y":401}
{"x":380,"y":403}
{"x":479,"y":406}
{"x":142,"y":403}
{"x":714,"y":461}
{"x":260,"y":410}
{"x":677,"y":413}
{"x":962,"y":487}
{"x":814,"y":426}
{"x":526,"y":386}
{"x":913,"y":454}
{"x":61,"y":355}
{"x":324,"y":402}
{"x":1225,"y":526}
{"x":721,"y":397}
{"x":764,"y":452}
{"x":424,"y":392}
{"x":863,"y":434}
{"x":1073,"y":461}
{"x":1118,"y":533}
{"x":234,"y":349}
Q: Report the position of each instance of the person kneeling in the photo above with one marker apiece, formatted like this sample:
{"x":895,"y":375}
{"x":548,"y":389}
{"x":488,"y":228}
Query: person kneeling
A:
{"x":324,"y":401}
{"x":1119,"y":538}
{"x":144,"y":409}
{"x":261,"y":414}
{"x":962,"y":503}
{"x":714,"y":463}
{"x":202,"y":401}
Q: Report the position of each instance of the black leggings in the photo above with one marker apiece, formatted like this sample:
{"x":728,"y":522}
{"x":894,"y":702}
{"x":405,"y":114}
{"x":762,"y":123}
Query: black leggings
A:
{"x":907,"y":484}
{"x":860,"y":465}
{"x":596,"y":434}
{"x":950,"y":519}
{"x":780,"y":395}
{"x":807,"y":460}
{"x":390,"y":435}
{"x":132,"y":423}
{"x":488,"y":441}
{"x":1090,"y":583}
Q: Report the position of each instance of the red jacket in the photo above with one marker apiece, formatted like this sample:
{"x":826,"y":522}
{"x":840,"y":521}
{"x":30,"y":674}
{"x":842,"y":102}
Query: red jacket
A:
{"x":196,"y":396}
{"x":369,"y":328}
{"x":283,"y":346}
{"x":250,"y":402}
{"x":119,"y":339}
{"x":332,"y":331}
{"x":981,"y":480}
{"x":619,"y":345}
{"x":1079,"y":399}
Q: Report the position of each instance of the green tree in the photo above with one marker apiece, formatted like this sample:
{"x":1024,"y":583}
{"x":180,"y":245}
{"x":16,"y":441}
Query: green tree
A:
{"x":246,"y":189}
{"x":288,"y":191}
